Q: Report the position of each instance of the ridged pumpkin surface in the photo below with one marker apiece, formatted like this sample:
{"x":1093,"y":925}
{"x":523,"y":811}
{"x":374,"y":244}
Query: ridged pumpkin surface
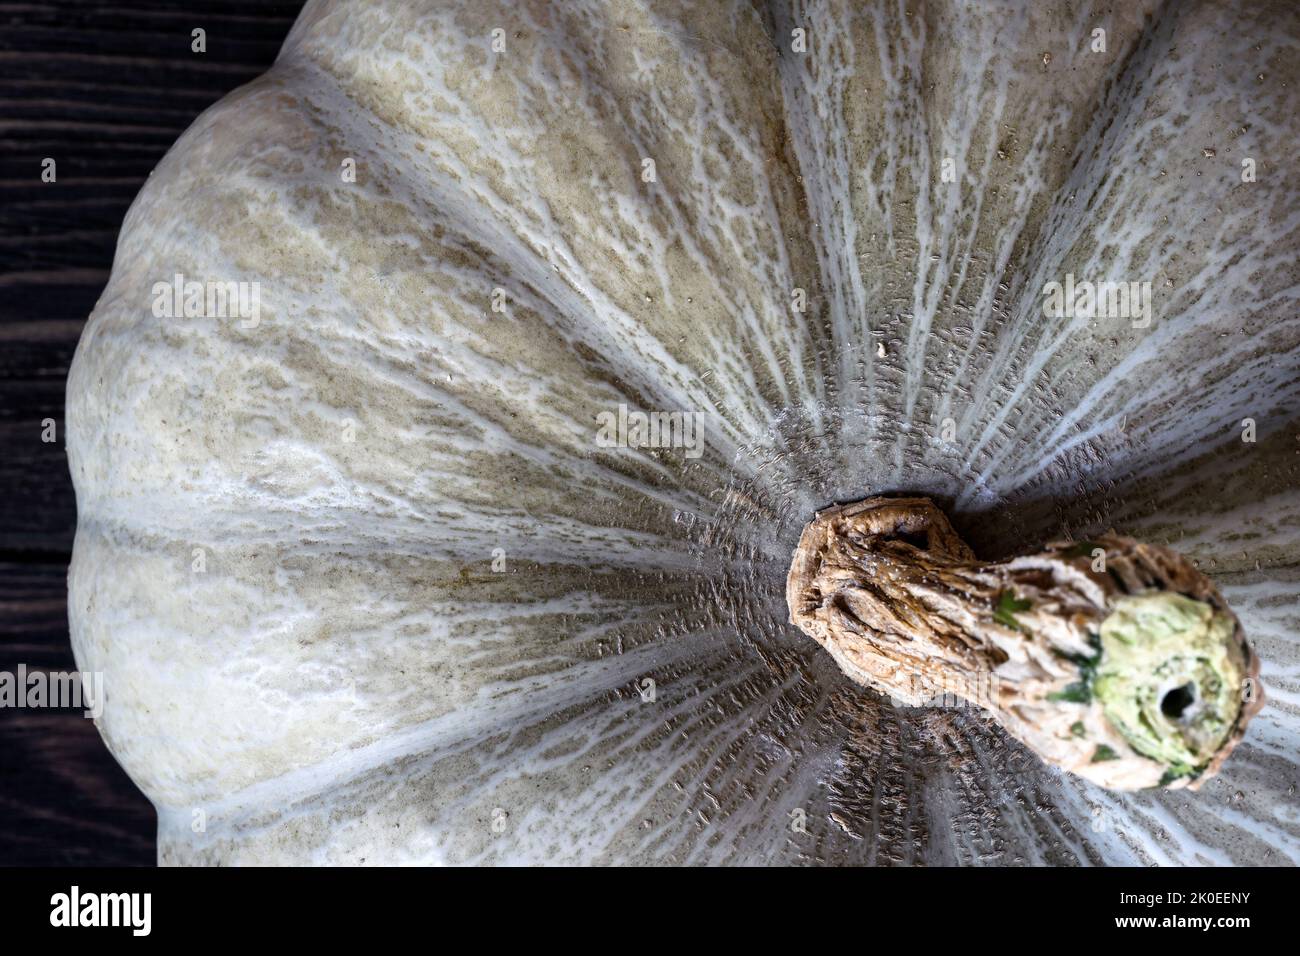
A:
{"x":365,"y":585}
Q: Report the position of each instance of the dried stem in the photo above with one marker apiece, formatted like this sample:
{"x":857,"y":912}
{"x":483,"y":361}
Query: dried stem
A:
{"x":905,"y":607}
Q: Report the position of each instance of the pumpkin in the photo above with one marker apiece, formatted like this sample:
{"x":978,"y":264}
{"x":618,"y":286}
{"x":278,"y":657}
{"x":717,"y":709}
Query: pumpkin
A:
{"x":463,"y":385}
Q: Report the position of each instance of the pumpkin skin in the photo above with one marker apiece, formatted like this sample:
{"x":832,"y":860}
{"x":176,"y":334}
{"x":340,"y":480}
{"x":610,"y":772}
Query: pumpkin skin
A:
{"x":347,"y":679}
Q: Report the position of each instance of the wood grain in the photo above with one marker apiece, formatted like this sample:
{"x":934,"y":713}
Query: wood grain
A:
{"x":104,"y":89}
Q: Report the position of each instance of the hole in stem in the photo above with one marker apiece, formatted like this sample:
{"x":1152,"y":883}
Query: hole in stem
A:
{"x":917,"y":539}
{"x":1177,"y":701}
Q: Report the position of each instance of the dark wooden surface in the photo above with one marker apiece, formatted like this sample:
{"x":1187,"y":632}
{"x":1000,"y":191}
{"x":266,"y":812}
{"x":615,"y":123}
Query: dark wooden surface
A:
{"x":104,"y":89}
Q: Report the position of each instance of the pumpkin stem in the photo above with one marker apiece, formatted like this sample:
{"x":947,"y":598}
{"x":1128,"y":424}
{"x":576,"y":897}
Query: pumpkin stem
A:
{"x":1107,"y":647}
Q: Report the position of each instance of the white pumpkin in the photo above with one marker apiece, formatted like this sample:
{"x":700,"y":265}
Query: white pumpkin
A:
{"x":366,"y":580}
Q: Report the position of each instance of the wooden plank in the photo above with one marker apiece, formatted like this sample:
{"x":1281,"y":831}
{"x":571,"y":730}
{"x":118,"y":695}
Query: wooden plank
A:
{"x":103,"y":90}
{"x":63,"y":799}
